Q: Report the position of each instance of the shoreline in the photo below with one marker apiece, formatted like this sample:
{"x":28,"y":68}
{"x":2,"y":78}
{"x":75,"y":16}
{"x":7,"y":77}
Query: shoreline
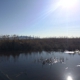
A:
{"x":47,"y":44}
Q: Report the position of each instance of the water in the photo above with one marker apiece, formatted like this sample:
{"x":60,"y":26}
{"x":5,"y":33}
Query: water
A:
{"x":40,"y":66}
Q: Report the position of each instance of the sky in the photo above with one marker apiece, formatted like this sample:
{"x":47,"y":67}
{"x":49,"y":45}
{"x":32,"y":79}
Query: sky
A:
{"x":42,"y":18}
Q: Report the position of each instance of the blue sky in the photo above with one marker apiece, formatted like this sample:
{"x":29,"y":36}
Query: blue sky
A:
{"x":44,"y":18}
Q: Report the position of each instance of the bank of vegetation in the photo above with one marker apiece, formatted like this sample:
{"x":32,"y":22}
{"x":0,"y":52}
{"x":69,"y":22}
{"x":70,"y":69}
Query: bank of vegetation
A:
{"x":38,"y":44}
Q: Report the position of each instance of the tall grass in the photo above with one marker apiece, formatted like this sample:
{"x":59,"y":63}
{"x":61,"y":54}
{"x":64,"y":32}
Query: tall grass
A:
{"x":38,"y":44}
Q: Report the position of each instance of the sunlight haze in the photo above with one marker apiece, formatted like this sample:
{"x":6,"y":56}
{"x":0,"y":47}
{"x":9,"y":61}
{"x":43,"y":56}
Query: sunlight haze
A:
{"x":43,"y":18}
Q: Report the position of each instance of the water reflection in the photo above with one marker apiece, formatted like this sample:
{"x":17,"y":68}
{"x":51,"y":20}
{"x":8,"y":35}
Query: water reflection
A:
{"x":73,"y":54}
{"x":51,"y":60}
{"x":28,"y":66}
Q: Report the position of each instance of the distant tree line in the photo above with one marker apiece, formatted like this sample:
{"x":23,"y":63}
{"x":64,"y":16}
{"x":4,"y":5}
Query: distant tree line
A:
{"x":17,"y":37}
{"x":38,"y":44}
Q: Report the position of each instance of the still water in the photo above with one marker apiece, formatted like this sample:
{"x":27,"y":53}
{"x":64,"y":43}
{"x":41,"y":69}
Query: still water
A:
{"x":40,"y":66}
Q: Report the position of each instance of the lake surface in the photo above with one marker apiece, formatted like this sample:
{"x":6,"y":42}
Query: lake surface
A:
{"x":40,"y":66}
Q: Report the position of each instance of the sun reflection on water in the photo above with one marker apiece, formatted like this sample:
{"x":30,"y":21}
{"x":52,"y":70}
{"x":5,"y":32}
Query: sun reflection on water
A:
{"x":69,"y":78}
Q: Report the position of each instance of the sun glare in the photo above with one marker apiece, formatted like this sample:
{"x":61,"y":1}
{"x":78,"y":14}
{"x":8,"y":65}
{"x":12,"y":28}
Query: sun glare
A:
{"x":67,"y":3}
{"x":69,"y":78}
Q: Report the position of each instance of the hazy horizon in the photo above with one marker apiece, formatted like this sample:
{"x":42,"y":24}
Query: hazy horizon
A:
{"x":39,"y":18}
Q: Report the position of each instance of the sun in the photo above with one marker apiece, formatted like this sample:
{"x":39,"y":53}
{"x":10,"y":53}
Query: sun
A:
{"x":67,"y":3}
{"x":69,"y":78}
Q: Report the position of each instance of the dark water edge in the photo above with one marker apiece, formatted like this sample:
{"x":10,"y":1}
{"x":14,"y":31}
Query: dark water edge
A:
{"x":13,"y":53}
